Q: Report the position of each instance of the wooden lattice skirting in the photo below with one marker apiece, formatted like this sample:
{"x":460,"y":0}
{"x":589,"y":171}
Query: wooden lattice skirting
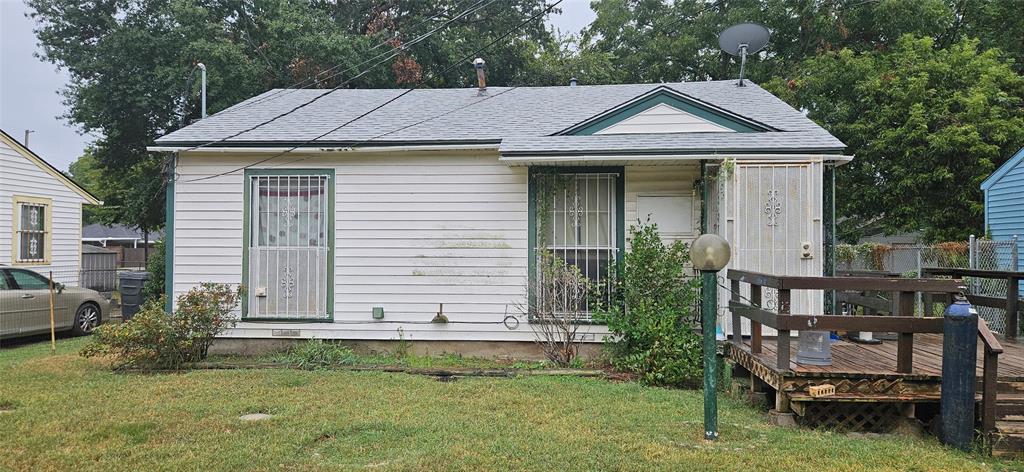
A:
{"x":849,"y":416}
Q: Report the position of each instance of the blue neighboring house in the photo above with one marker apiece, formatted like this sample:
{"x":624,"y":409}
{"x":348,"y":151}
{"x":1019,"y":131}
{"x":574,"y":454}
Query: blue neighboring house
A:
{"x":1004,"y":203}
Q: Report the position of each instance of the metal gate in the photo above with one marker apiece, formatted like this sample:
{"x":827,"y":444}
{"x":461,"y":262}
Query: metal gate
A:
{"x":771,"y":213}
{"x":289,"y":246}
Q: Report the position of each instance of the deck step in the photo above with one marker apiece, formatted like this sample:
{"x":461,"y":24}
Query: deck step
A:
{"x":1008,"y":439}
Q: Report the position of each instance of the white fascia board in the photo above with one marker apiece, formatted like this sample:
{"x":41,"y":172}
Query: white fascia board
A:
{"x":665,"y":159}
{"x":324,"y":150}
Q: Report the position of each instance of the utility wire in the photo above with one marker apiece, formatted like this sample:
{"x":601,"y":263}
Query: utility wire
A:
{"x":289,"y":89}
{"x":359,"y":143}
{"x":329,"y":91}
{"x":414,"y":87}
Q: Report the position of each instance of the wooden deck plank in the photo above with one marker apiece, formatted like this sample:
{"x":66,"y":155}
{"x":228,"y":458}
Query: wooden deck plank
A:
{"x":880,"y":359}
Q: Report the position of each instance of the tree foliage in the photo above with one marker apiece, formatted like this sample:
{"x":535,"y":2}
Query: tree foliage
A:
{"x":927,"y":125}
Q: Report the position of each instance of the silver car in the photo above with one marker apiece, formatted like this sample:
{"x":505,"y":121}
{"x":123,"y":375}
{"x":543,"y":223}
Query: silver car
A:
{"x":25,"y":305}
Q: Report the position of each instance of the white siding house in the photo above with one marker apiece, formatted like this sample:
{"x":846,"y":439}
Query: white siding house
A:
{"x":349,"y":226}
{"x":40,"y":213}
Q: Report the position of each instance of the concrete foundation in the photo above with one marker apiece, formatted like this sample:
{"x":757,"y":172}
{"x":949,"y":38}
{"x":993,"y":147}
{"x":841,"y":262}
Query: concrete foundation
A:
{"x":777,"y":418}
{"x":485,"y":349}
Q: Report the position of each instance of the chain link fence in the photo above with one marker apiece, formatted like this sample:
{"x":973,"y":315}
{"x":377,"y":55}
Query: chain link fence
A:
{"x":907,"y":260}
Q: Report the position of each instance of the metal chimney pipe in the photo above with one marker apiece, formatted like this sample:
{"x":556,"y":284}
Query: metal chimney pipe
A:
{"x":481,"y":75}
{"x":202,"y":93}
{"x":572,"y":82}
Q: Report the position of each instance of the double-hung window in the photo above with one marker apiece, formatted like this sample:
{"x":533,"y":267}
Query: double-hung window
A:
{"x":32,"y":230}
{"x":578,"y":220}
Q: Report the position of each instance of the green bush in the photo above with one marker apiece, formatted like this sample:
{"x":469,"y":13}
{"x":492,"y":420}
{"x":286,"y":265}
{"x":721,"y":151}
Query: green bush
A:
{"x":152,"y":339}
{"x":652,"y":334}
{"x":317,"y":354}
{"x":154,"y":287}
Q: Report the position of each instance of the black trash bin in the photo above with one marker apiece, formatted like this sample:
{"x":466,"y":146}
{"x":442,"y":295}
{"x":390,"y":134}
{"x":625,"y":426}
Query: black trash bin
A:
{"x":131,"y":292}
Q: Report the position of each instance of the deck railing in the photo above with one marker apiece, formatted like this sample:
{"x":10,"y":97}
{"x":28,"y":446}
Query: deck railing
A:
{"x":902,"y":322}
{"x":1011,"y":303}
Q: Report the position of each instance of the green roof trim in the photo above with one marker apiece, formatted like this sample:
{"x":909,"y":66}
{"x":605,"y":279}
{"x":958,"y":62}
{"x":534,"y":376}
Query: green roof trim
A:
{"x":674,"y":99}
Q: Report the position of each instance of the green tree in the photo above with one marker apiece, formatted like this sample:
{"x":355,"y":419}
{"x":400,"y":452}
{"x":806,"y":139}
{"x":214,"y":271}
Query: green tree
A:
{"x":132,"y":64}
{"x":926,"y":125}
{"x":85,"y":171}
{"x":654,"y":41}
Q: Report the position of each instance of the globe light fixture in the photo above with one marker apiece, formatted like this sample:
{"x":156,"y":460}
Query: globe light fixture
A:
{"x":709,"y":254}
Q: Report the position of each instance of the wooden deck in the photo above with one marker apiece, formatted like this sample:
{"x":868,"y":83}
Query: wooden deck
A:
{"x":876,"y":387}
{"x":851,"y":359}
{"x":867,"y":373}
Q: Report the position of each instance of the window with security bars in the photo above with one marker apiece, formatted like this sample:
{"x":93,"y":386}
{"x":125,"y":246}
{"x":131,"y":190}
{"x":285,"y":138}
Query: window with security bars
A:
{"x":577,"y":225}
{"x":32,"y":232}
{"x":289,"y":246}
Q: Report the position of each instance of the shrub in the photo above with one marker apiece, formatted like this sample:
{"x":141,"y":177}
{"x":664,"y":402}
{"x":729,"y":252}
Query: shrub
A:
{"x":556,"y":304}
{"x":651,"y":327}
{"x":154,"y":287}
{"x":317,"y":354}
{"x":152,"y":339}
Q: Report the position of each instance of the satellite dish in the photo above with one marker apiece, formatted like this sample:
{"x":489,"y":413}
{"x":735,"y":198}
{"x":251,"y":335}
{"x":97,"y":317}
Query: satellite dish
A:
{"x":742,"y":39}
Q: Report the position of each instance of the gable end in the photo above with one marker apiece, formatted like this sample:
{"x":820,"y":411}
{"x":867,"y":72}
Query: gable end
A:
{"x":670,"y":112}
{"x":49,"y":169}
{"x":1003,"y":170}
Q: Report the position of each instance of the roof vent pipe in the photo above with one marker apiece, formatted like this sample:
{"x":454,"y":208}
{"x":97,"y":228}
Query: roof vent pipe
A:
{"x":481,"y":75}
{"x":202,"y":92}
{"x":572,"y":82}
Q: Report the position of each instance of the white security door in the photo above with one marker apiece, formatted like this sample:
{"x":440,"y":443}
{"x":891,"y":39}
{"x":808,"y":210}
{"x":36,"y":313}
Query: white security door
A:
{"x":772,"y":216}
{"x":289,"y":246}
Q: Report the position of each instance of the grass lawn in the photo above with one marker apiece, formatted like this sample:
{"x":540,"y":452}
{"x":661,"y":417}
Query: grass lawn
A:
{"x":74,"y":414}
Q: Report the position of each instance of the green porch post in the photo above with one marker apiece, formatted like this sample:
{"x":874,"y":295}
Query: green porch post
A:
{"x":709,"y":310}
{"x":829,"y":234}
{"x":169,"y":236}
{"x":709,"y":254}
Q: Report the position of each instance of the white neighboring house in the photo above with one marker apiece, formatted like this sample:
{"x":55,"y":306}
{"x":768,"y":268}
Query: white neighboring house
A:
{"x":40,"y":214}
{"x":359,"y":215}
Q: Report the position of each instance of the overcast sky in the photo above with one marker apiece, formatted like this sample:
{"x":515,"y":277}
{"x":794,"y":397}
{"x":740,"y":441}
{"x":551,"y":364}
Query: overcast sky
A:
{"x":29,"y":87}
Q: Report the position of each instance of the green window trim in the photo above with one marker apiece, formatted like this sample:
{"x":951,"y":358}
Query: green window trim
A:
{"x":666,"y":97}
{"x":246,"y":236}
{"x":620,"y":216}
{"x":169,"y":237}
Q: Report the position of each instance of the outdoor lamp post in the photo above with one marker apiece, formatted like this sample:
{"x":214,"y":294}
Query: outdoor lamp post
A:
{"x":709,"y":254}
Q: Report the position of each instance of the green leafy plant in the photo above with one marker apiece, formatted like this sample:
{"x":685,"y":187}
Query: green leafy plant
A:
{"x":651,"y":333}
{"x":319,"y":354}
{"x":154,"y":286}
{"x":152,"y":339}
{"x":403,"y":346}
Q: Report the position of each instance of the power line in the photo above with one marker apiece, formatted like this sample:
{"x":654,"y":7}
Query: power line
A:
{"x":394,"y":52}
{"x":360,"y":143}
{"x":414,"y":87}
{"x":329,"y":91}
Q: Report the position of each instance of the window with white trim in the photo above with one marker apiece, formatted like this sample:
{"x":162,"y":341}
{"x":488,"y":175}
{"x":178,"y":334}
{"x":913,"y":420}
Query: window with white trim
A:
{"x":32,"y":230}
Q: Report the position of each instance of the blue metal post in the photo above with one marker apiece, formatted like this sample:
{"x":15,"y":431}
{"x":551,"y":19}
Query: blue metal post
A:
{"x":709,"y":313}
{"x":959,"y":357}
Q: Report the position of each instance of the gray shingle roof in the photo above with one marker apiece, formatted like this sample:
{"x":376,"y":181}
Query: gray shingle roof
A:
{"x":116,"y":232}
{"x":522,"y":119}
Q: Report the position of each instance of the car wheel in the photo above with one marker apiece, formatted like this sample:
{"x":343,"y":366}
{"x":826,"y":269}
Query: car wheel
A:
{"x":87,"y":318}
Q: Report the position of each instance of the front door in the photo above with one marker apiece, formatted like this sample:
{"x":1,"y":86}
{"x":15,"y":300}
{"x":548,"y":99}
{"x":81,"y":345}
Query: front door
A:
{"x":289,"y":250}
